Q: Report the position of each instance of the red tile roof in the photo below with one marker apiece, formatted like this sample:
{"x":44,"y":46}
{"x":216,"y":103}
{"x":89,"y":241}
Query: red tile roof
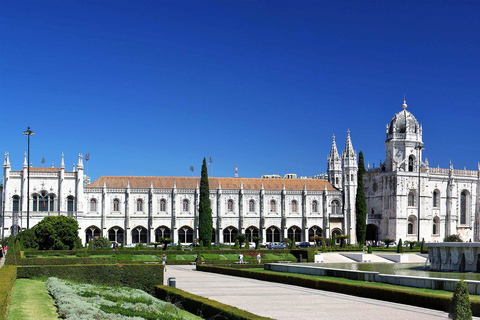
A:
{"x":226,"y":183}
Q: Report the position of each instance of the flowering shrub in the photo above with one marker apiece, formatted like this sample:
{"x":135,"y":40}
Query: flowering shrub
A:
{"x":86,"y":301}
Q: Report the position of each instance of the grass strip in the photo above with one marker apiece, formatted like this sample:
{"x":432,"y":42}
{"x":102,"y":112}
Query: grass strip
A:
{"x":426,"y":298}
{"x":137,"y":313}
{"x":30,"y":300}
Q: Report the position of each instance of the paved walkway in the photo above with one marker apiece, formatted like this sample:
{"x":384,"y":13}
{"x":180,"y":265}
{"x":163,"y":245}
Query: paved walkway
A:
{"x":280,"y":301}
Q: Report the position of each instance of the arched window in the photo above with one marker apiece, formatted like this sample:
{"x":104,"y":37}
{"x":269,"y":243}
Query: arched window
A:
{"x":139,"y":205}
{"x":436,"y":225}
{"x":411,"y":163}
{"x":139,"y":235}
{"x":163,"y":205}
{"x":314,"y":206}
{"x":93,"y":205}
{"x":294,"y":233}
{"x":251,"y":232}
{"x":412,"y":225}
{"x":411,"y":199}
{"x":273,"y":234}
{"x":294,"y":206}
{"x":251,"y":206}
{"x":185,"y":205}
{"x":273,"y":206}
{"x":230,"y":205}
{"x":70,"y":203}
{"x":185,"y":234}
{"x":463,"y":207}
{"x":42,"y":202}
{"x":162,"y":232}
{"x":91,"y":233}
{"x":16,"y":204}
{"x":116,"y":205}
{"x":436,"y":199}
{"x":335,"y":233}
{"x":116,"y":234}
{"x":335,"y":207}
{"x":229,"y":234}
{"x":314,"y":231}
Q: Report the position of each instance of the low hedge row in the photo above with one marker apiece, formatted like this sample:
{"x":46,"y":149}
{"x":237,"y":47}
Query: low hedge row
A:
{"x":392,"y":294}
{"x":203,"y":307}
{"x":139,"y":276}
{"x":64,"y":261}
{"x":8,"y":274}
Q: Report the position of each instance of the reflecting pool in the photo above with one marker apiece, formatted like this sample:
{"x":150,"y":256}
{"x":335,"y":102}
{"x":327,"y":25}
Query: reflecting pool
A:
{"x":405,"y":269}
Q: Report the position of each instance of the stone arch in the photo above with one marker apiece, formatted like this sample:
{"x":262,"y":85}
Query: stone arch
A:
{"x":91,"y":233}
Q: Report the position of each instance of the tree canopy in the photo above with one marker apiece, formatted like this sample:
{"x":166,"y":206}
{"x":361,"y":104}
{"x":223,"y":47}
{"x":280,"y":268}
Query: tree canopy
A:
{"x":57,"y":233}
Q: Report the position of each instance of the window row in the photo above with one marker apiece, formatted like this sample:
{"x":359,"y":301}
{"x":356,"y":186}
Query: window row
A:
{"x":43,"y":203}
{"x":412,"y":227}
{"x":185,"y":234}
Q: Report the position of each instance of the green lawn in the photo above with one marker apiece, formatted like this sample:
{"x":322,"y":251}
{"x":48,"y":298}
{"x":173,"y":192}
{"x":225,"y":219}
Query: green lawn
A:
{"x":30,"y":300}
{"x":145,"y":258}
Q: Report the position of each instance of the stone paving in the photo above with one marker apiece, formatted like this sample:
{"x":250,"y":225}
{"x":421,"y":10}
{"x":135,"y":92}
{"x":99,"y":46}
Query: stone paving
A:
{"x":280,"y":301}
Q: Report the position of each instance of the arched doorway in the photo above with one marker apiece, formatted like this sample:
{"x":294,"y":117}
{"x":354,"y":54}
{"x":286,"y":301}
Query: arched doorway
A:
{"x":139,"y":235}
{"x":229,"y":234}
{"x":185,"y":234}
{"x":372,"y":232}
{"x":115,"y":234}
{"x":273,"y":234}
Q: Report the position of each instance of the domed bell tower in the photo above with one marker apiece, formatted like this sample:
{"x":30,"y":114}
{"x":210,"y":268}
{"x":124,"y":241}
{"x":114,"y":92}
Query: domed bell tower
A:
{"x":403,"y":144}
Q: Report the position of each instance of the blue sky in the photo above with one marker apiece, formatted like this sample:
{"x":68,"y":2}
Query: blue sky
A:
{"x":152,"y":87}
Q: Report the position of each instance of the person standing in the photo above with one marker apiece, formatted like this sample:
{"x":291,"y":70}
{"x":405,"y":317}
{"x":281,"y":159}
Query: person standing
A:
{"x":240,"y":257}
{"x":259,"y":258}
{"x":164,"y":262}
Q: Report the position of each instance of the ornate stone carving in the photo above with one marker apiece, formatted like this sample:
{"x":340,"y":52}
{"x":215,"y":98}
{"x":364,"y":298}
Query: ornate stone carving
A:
{"x":443,"y":255}
{"x":454,"y":252}
{"x":469,"y":257}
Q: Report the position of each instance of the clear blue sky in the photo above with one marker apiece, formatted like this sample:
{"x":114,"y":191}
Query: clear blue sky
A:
{"x":152,"y":87}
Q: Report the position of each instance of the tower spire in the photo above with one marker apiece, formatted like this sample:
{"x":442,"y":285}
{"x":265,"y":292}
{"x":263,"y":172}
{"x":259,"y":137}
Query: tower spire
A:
{"x":333,"y":151}
{"x":404,"y":106}
{"x":348,"y":146}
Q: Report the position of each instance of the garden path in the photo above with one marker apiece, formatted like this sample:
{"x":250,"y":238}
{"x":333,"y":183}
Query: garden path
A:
{"x":280,"y":301}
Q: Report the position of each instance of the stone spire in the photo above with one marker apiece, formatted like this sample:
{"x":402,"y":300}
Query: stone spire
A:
{"x":25,"y":164}
{"x":349,"y":152}
{"x":80,"y":161}
{"x":333,"y":151}
{"x":62,"y":165}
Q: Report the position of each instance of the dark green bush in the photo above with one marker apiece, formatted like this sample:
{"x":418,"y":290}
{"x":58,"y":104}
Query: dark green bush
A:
{"x":101,"y":242}
{"x":140,"y":276}
{"x":203,"y":307}
{"x":461,"y":309}
{"x":453,"y":238}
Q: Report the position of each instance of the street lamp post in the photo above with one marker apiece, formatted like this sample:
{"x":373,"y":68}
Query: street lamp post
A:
{"x":419,"y":147}
{"x":28,"y":133}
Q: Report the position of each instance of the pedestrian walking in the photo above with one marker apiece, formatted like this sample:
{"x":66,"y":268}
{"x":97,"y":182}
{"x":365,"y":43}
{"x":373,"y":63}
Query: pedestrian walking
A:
{"x":164,"y":262}
{"x":240,"y":257}
{"x":259,"y":258}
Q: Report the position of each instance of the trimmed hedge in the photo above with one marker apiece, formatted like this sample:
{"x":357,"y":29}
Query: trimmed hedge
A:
{"x":392,"y":294}
{"x":203,"y":307}
{"x":64,"y":261}
{"x":139,"y":276}
{"x":8,"y":274}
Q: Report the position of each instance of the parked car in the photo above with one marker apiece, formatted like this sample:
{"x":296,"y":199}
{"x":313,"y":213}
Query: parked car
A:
{"x":303,"y":245}
{"x":277,"y":245}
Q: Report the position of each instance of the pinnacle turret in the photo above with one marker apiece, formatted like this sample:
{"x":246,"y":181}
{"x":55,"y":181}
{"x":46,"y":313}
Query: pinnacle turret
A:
{"x":333,"y":151}
{"x":349,"y":152}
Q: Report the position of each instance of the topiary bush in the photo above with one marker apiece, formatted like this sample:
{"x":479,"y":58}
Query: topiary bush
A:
{"x":461,"y":309}
{"x":400,"y":246}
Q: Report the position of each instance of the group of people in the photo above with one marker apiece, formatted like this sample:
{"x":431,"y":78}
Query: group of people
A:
{"x":259,"y":258}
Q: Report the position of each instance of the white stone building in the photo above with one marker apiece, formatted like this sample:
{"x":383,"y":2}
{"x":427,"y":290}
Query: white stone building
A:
{"x":134,"y":209}
{"x":448,"y":200}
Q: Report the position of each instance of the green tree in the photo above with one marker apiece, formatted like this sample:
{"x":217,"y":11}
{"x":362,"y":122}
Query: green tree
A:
{"x":461,"y":309}
{"x":257,"y":241}
{"x":361,"y":203}
{"x":57,"y":233}
{"x":400,"y":246}
{"x":388,"y":242}
{"x":28,"y":238}
{"x":240,"y":238}
{"x":205,"y":222}
{"x":101,"y":242}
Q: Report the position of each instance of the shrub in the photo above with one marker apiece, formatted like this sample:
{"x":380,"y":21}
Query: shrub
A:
{"x":140,"y":276}
{"x":400,"y":246}
{"x":324,"y":246}
{"x":101,"y":242}
{"x":8,"y":274}
{"x":452,"y":238}
{"x":461,"y":309}
{"x":28,"y":239}
{"x":369,"y":250}
{"x":388,"y":242}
